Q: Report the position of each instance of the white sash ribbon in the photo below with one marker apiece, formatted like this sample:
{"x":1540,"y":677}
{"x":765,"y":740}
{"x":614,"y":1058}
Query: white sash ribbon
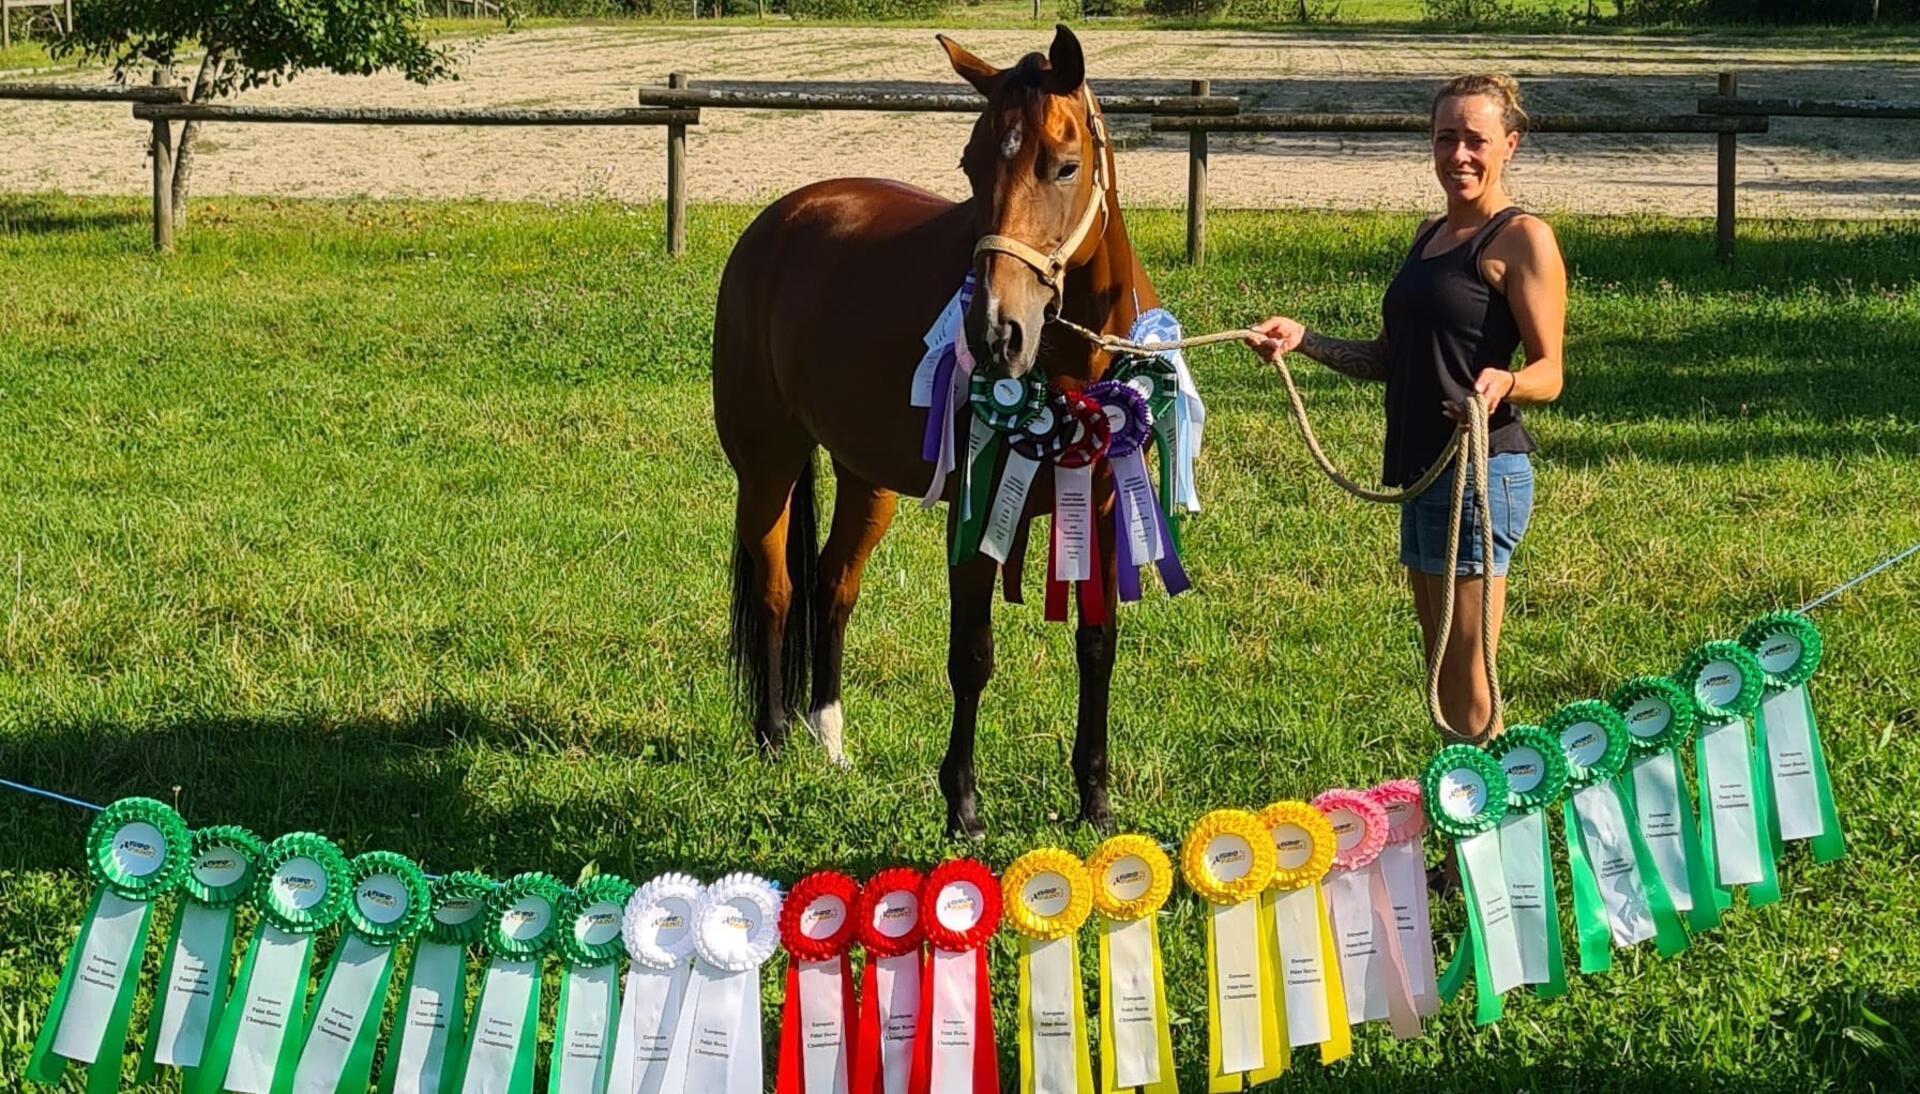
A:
{"x":1609,"y":844}
{"x":897,"y":983}
{"x":499,"y":1025}
{"x":1136,"y":1019}
{"x":101,"y":968}
{"x":438,"y":986}
{"x":583,"y":1065}
{"x":339,"y":1014}
{"x":945,"y":329}
{"x":189,"y":992}
{"x":1736,"y":826}
{"x":1236,"y":951}
{"x":649,"y":1016}
{"x":1009,"y":504}
{"x":279,"y":981}
{"x":1658,"y":802}
{"x":1523,"y":845}
{"x":823,"y":1034}
{"x":1498,"y":936}
{"x":1796,"y":794}
{"x":1296,"y":920}
{"x":719,"y":1041}
{"x":1073,"y":522}
{"x":1137,"y":505}
{"x":955,"y":1025}
{"x":1050,"y":991}
{"x":1405,"y":870}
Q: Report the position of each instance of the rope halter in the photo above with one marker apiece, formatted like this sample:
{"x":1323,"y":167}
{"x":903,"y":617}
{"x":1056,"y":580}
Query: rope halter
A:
{"x":1052,"y":268}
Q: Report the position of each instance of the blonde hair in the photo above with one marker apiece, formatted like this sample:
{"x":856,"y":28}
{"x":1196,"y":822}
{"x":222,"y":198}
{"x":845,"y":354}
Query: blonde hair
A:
{"x":1498,"y":86}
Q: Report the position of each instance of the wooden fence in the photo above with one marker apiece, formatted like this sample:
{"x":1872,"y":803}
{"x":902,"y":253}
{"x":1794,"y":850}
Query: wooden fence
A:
{"x":1192,"y":110}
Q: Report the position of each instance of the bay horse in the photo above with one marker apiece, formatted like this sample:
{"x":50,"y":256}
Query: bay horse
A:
{"x":817,"y":332}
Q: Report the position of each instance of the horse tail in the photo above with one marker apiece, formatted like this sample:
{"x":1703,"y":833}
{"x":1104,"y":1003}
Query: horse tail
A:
{"x":747,"y":639}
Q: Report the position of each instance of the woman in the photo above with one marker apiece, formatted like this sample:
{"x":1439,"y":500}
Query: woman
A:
{"x":1479,"y":283}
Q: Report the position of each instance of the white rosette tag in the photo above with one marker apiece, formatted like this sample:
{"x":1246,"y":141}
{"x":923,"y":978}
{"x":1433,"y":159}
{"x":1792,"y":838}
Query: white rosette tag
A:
{"x":716,"y":1044}
{"x":658,"y":931}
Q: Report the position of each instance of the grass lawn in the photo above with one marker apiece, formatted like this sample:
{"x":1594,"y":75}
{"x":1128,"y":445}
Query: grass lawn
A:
{"x":405,"y":523}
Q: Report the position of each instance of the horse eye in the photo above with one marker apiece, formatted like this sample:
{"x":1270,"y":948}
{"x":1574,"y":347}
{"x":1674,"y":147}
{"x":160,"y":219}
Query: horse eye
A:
{"x":1068,"y":170}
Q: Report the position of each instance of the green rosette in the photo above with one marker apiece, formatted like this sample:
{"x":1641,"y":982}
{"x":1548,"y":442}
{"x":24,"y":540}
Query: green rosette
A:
{"x":391,"y":898}
{"x":1785,"y":666}
{"x":1153,"y":376}
{"x":1535,"y":784}
{"x":1590,"y":761}
{"x":287,"y":898}
{"x":1659,"y":713}
{"x":1463,"y":791}
{"x":1724,"y":679}
{"x":588,"y":1013}
{"x":1460,"y":814}
{"x":523,"y":924}
{"x":1661,"y":717}
{"x":137,"y":851}
{"x":1000,"y":407}
{"x":1727,"y":684}
{"x":303,"y":887}
{"x":585,"y":940}
{"x":429,"y":1033}
{"x":1006,"y":404}
{"x":1788,"y":648}
{"x":220,"y":872}
{"x":1536,"y":772}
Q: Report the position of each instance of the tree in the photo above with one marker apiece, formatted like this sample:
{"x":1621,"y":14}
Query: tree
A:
{"x":250,"y":43}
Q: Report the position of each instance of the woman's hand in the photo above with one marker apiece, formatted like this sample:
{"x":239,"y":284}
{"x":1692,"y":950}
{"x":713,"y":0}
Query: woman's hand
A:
{"x":1278,"y":335}
{"x":1494,"y":385}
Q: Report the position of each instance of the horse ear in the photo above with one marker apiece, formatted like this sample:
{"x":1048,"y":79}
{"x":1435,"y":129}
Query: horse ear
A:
{"x":971,"y":69}
{"x":1067,"y":65}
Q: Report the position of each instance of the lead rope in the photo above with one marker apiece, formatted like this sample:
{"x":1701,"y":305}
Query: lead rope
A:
{"x":1471,"y":437}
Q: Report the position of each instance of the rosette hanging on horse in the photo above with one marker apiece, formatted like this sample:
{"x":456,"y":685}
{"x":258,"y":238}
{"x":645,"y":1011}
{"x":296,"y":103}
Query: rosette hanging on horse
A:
{"x":388,"y":906}
{"x":1178,"y":414}
{"x":1228,"y":859}
{"x":522,"y":925}
{"x":430,"y":1033}
{"x":1046,"y":897}
{"x":1002,"y":409}
{"x":1131,"y":879}
{"x":591,"y":920}
{"x":1372,"y":967}
{"x":137,"y":852}
{"x":1726,"y":682}
{"x":1139,"y":526}
{"x":1403,"y":867}
{"x":939,"y":383}
{"x":1305,"y":956}
{"x":302,"y":889}
{"x":192,"y":989}
{"x":658,"y":931}
{"x":956,"y":1053}
{"x":817,"y":1023}
{"x":1661,"y":717}
{"x":1464,"y":791}
{"x":1536,"y":779}
{"x":1073,"y":548}
{"x":1788,"y":647}
{"x":892,"y":934}
{"x":716,"y":1049}
{"x":1617,"y":890}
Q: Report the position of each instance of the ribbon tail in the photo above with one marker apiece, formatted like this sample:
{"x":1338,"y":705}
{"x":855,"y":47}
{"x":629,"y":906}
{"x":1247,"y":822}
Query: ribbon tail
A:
{"x":1488,"y":1005}
{"x":1720,"y":895}
{"x":787,"y":1079}
{"x":1402,"y":1013}
{"x":1767,"y":890}
{"x":1093,"y":591}
{"x":148,"y":1065}
{"x":1670,"y":937}
{"x":1339,"y":1045}
{"x":920,"y":1080}
{"x":1831,"y":844}
{"x":1172,"y":574}
{"x":1128,"y":568}
{"x":986,"y":1054}
{"x":44,"y":1065}
{"x":1165,"y":440}
{"x":1589,"y":912}
{"x":1556,"y":984}
{"x":1705,"y":913}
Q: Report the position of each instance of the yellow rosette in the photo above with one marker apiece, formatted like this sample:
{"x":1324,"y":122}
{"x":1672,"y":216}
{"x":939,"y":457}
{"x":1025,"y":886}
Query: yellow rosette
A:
{"x":1312,"y":1002}
{"x":1228,"y":859}
{"x":1131,"y":878}
{"x":1047,"y":896}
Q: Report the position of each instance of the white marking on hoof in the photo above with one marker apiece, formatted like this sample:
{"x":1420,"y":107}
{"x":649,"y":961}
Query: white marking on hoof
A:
{"x":828,"y":726}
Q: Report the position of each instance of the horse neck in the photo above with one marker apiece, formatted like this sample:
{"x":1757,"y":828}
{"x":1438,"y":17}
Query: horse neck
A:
{"x":1100,"y":295}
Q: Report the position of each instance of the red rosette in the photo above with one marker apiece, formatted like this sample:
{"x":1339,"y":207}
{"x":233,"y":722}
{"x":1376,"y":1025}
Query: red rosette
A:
{"x":1087,"y":432}
{"x":800,"y":925}
{"x":794,"y":929}
{"x":876,"y":942}
{"x":959,"y":875}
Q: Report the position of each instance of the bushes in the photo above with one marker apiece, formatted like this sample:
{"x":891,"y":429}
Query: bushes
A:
{"x":865,"y":9}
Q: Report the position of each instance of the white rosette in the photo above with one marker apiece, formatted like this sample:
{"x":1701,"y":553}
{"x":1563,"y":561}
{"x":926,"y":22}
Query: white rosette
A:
{"x":658,"y":931}
{"x":716,"y":1045}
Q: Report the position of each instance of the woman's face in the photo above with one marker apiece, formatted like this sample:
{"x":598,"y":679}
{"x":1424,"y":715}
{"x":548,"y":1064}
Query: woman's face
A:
{"x":1471,"y":145}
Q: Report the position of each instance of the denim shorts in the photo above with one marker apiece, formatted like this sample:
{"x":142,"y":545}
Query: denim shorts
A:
{"x":1423,"y":521}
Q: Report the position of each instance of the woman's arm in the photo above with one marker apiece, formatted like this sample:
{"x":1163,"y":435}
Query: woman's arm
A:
{"x":1360,"y":360}
{"x":1524,"y":264}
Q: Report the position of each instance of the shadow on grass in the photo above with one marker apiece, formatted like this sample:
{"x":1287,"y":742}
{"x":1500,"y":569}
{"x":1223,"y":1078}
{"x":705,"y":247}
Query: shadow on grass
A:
{"x":37,"y":214}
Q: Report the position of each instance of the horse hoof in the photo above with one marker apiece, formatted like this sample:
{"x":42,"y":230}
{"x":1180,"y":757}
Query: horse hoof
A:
{"x":828,"y":726}
{"x":1102,"y":822}
{"x":966,"y":827}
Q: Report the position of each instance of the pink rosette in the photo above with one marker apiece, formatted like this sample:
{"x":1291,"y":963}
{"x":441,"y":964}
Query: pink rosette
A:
{"x":1401,"y":796}
{"x":1365,"y":812}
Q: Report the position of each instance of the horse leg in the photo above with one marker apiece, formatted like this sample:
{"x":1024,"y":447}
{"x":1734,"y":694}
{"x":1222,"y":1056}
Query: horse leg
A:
{"x":969,"y":667}
{"x":765,"y":654}
{"x":1093,"y":649}
{"x":862,"y":513}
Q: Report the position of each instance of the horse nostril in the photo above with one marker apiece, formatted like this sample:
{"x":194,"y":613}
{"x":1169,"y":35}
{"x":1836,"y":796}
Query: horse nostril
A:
{"x":1012,"y":339}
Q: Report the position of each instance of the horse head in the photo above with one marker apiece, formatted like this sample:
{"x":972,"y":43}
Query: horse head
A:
{"x":1040,"y":164}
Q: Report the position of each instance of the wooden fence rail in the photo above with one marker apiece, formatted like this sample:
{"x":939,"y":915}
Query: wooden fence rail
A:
{"x":774,"y":98}
{"x":93,"y":93}
{"x":382,"y":115}
{"x":1808,"y":108}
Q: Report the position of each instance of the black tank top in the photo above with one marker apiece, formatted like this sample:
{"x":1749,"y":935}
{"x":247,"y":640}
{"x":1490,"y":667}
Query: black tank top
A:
{"x":1444,"y":327}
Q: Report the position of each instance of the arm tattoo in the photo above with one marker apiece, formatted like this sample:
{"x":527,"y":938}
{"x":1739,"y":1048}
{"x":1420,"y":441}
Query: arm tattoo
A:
{"x":1360,"y":360}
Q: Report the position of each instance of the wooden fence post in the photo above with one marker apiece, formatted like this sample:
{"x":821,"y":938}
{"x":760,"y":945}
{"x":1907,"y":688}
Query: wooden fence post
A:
{"x":1197,"y":185}
{"x":677,"y":178}
{"x":162,"y":152}
{"x":1729,"y":150}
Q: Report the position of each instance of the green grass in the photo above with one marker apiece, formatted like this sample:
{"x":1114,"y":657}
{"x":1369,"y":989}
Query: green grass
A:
{"x":405,"y":523}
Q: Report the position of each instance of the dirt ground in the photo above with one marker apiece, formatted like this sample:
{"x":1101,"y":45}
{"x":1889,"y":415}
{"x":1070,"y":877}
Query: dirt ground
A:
{"x":1803,"y":167}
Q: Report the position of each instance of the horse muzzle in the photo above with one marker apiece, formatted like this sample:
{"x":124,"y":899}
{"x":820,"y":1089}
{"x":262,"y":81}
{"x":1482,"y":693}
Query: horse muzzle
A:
{"x":1004,"y":335}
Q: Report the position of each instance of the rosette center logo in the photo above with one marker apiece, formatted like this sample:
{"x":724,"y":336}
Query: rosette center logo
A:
{"x":1463,"y":794}
{"x":1292,"y":846}
{"x":1584,"y":742}
{"x":139,"y":849}
{"x":1128,"y":878}
{"x":1046,"y":894}
{"x":1348,"y":829}
{"x":1116,"y":418}
{"x":823,"y":918}
{"x":1719,"y":683}
{"x":895,"y":914}
{"x":527,"y":918}
{"x":599,"y":924}
{"x":219,"y":867}
{"x":959,"y":906}
{"x":458,"y":910}
{"x":1649,"y":717}
{"x":1525,"y":769}
{"x":382,"y":899}
{"x":1780,"y":654}
{"x":1008,"y":392}
{"x":1228,"y":857}
{"x":300,"y":884}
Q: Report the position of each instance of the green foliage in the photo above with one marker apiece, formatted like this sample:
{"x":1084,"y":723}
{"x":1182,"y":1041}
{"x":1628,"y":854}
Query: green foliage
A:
{"x":865,"y":9}
{"x":407,"y":523}
{"x":257,"y":44}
